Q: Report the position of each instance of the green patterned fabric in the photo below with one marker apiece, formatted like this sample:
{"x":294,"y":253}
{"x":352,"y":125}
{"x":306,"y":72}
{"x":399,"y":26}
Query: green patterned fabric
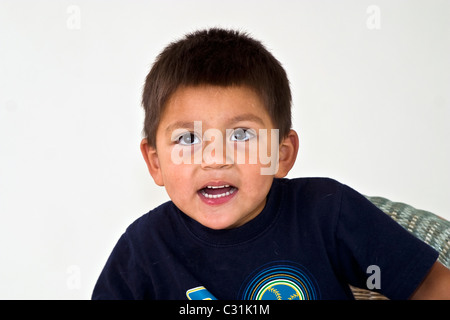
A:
{"x":425,"y":225}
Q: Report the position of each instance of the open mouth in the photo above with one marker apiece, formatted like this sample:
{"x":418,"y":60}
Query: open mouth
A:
{"x":215,"y":192}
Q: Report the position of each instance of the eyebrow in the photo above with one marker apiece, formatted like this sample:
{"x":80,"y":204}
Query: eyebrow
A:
{"x":179,"y":124}
{"x":190,"y":124}
{"x":246,"y":117}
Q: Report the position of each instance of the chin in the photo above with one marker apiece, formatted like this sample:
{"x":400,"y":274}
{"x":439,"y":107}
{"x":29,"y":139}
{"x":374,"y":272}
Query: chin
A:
{"x":219,"y":224}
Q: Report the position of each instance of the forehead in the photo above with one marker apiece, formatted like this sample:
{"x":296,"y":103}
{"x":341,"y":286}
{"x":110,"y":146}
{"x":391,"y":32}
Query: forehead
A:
{"x":215,"y":104}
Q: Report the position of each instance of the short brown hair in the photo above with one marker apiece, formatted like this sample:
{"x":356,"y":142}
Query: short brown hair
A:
{"x":217,"y":57}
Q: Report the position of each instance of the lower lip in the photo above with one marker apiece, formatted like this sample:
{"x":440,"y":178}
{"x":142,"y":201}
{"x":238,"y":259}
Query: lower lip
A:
{"x":217,"y":201}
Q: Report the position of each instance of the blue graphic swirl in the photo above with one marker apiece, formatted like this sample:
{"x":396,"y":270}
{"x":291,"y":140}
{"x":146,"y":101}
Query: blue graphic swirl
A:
{"x":280,"y":280}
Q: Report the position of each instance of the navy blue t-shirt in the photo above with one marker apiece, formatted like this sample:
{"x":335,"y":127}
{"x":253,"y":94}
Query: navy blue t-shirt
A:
{"x":314,"y":237}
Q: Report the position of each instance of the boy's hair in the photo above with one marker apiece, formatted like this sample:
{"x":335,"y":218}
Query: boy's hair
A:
{"x":217,"y":57}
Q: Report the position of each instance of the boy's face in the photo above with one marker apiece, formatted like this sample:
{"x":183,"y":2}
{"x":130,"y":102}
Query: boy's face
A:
{"x":206,"y":154}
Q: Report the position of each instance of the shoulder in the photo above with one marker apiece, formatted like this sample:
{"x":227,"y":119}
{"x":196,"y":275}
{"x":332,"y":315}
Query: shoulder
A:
{"x":158,"y":218}
{"x":148,"y":234}
{"x":128,"y":268}
{"x":317,"y":200}
{"x":311,"y":188}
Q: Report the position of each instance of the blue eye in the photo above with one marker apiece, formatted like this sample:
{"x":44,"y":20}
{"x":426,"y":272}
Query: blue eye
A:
{"x":187,"y":139}
{"x":242,"y":134}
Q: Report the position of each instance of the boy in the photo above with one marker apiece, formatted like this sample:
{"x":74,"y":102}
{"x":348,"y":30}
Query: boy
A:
{"x":218,"y":137}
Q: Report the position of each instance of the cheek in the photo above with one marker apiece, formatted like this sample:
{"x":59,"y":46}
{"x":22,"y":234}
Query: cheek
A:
{"x":262,"y":151}
{"x":177,"y":178}
{"x":243,"y":153}
{"x":254,"y":182}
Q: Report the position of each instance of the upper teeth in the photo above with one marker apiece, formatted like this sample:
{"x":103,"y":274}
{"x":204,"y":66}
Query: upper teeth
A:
{"x":217,"y":187}
{"x":214,"y":196}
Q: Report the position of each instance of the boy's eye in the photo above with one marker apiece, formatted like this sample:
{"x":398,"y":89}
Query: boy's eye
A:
{"x":242,"y":134}
{"x":188,"y":139}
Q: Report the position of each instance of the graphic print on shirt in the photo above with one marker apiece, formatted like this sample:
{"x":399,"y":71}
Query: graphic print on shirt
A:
{"x":199,"y":293}
{"x":280,"y":280}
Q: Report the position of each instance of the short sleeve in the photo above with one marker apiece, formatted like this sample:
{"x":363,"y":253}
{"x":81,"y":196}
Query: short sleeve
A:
{"x":367,"y":237}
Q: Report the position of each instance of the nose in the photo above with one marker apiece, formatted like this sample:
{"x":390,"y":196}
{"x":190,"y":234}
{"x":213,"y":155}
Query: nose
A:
{"x":214,"y":155}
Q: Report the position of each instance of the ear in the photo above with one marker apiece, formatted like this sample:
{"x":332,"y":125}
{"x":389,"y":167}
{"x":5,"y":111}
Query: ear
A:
{"x":287,"y":154}
{"x":151,"y":159}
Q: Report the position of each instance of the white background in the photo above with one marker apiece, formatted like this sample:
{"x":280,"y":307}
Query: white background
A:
{"x":371,"y":106}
